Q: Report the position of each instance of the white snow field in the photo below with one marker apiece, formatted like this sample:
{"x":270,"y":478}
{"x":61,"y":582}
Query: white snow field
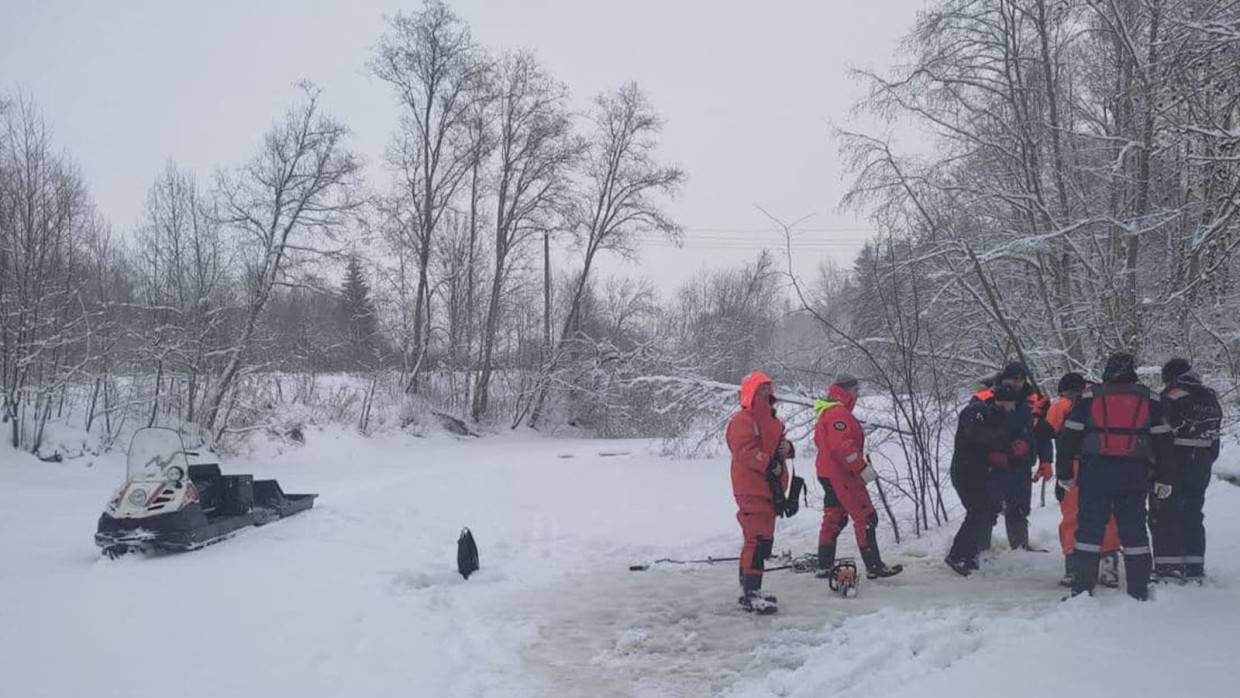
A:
{"x":359,"y":597}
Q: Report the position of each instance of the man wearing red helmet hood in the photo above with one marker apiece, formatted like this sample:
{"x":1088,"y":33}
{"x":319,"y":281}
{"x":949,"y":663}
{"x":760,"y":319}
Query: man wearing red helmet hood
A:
{"x":755,"y":436}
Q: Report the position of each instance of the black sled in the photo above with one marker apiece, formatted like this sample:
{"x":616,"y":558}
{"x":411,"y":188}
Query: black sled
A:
{"x":166,"y":504}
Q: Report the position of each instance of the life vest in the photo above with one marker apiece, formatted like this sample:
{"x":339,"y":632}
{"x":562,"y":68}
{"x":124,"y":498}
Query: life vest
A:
{"x":1119,"y":421}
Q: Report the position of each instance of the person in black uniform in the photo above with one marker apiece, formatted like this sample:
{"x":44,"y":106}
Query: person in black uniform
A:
{"x":1116,"y":429}
{"x":990,"y":434}
{"x":1176,"y":523}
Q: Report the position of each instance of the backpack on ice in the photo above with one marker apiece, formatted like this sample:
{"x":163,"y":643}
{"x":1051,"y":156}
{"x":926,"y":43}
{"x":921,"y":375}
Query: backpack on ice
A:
{"x":466,"y":554}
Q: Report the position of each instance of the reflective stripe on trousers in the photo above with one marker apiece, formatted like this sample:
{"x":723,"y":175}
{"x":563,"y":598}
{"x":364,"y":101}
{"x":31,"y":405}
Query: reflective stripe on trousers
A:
{"x":1195,"y":443}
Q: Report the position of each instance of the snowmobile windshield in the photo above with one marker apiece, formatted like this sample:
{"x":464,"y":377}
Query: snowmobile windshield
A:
{"x":153,"y":451}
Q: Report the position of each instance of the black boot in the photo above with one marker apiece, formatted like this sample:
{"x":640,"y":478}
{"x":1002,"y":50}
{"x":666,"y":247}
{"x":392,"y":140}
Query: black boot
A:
{"x":1084,"y":572}
{"x":1195,"y":572}
{"x":826,"y":561}
{"x":1137,"y":569}
{"x":1017,"y":534}
{"x":874,"y":566}
{"x":1067,"y":571}
{"x":1168,"y":574}
{"x":752,"y":599}
{"x":959,"y":565}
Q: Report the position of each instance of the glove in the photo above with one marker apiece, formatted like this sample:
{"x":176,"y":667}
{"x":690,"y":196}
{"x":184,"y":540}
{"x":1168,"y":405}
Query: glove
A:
{"x":1020,"y":448}
{"x":867,"y":473}
{"x":1046,"y":471}
{"x":1065,"y":485}
{"x":997,"y":459}
{"x":786,"y":449}
{"x":1162,"y":490}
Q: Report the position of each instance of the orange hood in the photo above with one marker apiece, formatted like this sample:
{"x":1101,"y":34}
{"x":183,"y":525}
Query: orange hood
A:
{"x":750,"y":385}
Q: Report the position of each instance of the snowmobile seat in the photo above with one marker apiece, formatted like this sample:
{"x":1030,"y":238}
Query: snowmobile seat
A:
{"x":204,"y":471}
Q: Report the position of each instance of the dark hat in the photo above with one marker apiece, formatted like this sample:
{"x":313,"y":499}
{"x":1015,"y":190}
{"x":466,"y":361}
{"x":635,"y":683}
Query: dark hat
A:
{"x":845,"y":380}
{"x":1014,"y":369}
{"x":1121,"y":368}
{"x":1174,"y":369}
{"x":1071,"y":381}
{"x":1006,"y":393}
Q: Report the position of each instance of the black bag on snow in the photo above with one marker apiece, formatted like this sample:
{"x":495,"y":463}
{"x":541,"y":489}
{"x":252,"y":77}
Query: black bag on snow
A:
{"x":466,"y":554}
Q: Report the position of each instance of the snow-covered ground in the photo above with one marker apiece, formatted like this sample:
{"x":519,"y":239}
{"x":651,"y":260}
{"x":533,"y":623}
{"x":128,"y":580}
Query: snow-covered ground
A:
{"x":359,"y":597}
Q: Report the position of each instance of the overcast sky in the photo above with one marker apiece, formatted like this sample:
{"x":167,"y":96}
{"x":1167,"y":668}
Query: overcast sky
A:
{"x":749,"y":90}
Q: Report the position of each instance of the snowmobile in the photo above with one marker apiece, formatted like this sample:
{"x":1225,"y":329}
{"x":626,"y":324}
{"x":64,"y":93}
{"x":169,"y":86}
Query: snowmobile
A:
{"x":167,"y":504}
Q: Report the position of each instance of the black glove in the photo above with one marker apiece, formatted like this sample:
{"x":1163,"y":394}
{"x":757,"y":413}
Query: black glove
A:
{"x":772,"y":481}
{"x":792,"y":450}
{"x":793,"y":503}
{"x":1059,"y":492}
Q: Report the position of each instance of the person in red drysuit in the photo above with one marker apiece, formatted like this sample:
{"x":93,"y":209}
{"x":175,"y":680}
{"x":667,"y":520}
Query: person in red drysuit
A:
{"x":843,"y":472}
{"x":759,"y":479}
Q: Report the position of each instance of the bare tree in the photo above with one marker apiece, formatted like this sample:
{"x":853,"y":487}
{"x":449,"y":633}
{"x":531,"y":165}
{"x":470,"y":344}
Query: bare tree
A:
{"x":535,"y":150}
{"x":439,"y":76}
{"x":298,"y":188}
{"x":619,"y":200}
{"x":45,"y":218}
{"x":186,"y":268}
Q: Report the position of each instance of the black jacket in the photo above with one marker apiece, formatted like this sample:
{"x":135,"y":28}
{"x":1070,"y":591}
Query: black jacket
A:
{"x":983,"y":427}
{"x":1194,"y":414}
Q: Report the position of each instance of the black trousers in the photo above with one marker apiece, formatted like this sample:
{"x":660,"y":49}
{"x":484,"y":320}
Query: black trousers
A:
{"x":1112,"y":486}
{"x":1177,"y":524}
{"x":973,"y":488}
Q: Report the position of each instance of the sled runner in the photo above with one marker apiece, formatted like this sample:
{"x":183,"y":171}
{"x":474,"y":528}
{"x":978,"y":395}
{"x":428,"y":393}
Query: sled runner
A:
{"x":168,"y":504}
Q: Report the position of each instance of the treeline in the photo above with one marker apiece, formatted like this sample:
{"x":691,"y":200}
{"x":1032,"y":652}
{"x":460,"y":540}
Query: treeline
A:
{"x":438,"y":287}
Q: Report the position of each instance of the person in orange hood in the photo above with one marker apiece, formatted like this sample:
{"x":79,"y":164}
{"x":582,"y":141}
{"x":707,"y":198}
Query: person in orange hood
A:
{"x":843,"y":472}
{"x":759,"y":479}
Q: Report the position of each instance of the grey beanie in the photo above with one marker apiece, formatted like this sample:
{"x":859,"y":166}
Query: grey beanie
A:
{"x":845,"y":380}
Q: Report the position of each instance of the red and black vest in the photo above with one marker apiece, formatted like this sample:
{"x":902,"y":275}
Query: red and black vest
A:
{"x":1119,"y":421}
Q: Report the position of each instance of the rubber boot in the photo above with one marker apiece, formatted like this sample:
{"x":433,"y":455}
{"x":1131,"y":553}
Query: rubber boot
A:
{"x":1137,"y":569}
{"x":874,"y":566}
{"x":752,"y":599}
{"x":1084,"y":572}
{"x":826,"y":561}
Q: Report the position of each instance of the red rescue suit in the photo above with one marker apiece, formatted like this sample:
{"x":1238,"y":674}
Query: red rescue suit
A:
{"x":753,"y":436}
{"x":841,"y":458}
